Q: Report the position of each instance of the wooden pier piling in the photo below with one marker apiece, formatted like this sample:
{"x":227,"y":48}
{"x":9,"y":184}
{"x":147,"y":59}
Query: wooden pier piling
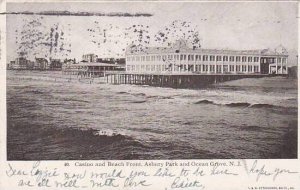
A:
{"x":176,"y":80}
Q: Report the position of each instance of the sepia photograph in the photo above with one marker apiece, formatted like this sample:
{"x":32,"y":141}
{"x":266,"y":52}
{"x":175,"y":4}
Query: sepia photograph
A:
{"x":151,"y":80}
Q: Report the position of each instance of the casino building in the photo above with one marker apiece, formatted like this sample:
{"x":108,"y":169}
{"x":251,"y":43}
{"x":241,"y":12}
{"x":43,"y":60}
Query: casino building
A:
{"x":181,"y":59}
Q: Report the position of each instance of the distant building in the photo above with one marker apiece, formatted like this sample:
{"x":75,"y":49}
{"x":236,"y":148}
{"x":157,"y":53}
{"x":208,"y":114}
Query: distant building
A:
{"x":30,"y":65}
{"x":19,"y":63}
{"x":179,"y":58}
{"x":90,"y":69}
{"x":106,"y":60}
{"x":111,"y":60}
{"x":90,"y":57}
{"x":67,"y":63}
{"x":9,"y":65}
{"x":41,"y":64}
{"x":70,"y":61}
{"x":55,"y":64}
{"x":120,"y":61}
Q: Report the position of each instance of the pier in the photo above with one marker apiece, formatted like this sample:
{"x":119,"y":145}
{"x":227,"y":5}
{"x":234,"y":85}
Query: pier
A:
{"x":175,"y":80}
{"x":98,"y":73}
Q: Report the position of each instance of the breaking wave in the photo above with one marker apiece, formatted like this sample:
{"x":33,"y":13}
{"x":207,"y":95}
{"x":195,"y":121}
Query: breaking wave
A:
{"x":239,"y":104}
{"x":138,"y":101}
{"x":204,"y":102}
{"x":108,"y":133}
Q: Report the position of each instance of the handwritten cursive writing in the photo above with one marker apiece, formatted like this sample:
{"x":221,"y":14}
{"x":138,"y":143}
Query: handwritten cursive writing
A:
{"x":183,"y":182}
{"x":15,"y":172}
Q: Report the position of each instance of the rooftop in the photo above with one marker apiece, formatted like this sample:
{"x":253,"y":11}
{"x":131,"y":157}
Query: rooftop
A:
{"x":93,"y":64}
{"x":181,"y":47}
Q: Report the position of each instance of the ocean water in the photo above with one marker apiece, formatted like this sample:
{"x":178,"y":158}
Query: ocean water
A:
{"x":53,"y":117}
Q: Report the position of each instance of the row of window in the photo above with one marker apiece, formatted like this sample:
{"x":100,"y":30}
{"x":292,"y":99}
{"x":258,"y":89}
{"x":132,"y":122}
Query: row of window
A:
{"x":273,"y":60}
{"x":197,"y":68}
{"x":184,"y":57}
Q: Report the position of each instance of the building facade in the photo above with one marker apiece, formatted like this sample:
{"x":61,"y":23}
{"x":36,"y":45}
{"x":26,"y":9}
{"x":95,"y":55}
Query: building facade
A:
{"x":179,"y":58}
{"x":41,"y":64}
{"x":90,"y":57}
{"x":20,"y":63}
{"x":55,"y":64}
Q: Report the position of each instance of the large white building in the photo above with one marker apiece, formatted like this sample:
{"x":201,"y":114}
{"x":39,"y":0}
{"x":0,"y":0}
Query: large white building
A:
{"x":89,"y":57}
{"x":182,"y":59}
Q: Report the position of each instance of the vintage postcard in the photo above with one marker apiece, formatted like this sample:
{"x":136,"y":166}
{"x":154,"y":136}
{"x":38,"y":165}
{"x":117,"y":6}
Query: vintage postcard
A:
{"x":149,"y":95}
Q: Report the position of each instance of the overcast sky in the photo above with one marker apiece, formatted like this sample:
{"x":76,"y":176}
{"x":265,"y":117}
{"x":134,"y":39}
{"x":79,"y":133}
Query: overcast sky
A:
{"x":242,"y":25}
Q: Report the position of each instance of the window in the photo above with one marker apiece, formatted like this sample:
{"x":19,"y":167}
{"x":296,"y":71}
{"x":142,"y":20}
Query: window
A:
{"x":283,"y":60}
{"x":157,"y":68}
{"x":212,"y":68}
{"x":279,"y":60}
{"x":238,"y":58}
{"x":191,"y":57}
{"x":219,"y":58}
{"x":225,"y":58}
{"x":164,"y":57}
{"x":128,"y":68}
{"x":231,"y":68}
{"x":205,"y":57}
{"x":212,"y":58}
{"x":249,"y":59}
{"x":231,"y":58}
{"x":143,"y":58}
{"x":250,"y":68}
{"x":219,"y":68}
{"x":199,"y":57}
{"x":244,"y":59}
{"x":147,"y":58}
{"x":255,"y":59}
{"x":238,"y":68}
{"x":244,"y":67}
{"x":271,"y":60}
{"x":152,"y":58}
{"x":225,"y":68}
{"x":158,"y":57}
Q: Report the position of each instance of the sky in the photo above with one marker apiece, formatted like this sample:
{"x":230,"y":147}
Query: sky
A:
{"x":220,"y":25}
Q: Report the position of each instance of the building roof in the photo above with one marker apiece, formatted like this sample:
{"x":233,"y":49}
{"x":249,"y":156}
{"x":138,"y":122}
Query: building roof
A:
{"x":181,"y":47}
{"x":93,"y":64}
{"x":40,"y":59}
